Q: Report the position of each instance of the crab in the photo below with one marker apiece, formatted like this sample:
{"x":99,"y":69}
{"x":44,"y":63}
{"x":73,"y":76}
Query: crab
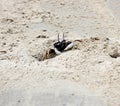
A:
{"x":58,"y":47}
{"x":61,"y":46}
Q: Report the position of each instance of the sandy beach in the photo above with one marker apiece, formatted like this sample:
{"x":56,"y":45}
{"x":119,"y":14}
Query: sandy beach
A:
{"x":87,"y":75}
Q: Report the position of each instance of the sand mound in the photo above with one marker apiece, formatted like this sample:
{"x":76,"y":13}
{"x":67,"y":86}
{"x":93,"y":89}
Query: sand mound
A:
{"x":93,"y":62}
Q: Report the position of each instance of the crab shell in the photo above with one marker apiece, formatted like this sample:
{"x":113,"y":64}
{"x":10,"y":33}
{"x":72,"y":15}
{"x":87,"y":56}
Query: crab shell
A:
{"x":50,"y":53}
{"x":70,"y":46}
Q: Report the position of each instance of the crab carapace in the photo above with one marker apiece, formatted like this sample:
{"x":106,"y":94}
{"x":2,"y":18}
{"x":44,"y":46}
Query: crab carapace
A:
{"x":62,"y":45}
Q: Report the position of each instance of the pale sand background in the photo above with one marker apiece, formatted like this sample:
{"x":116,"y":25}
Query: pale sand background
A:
{"x":114,"y":5}
{"x":86,"y":76}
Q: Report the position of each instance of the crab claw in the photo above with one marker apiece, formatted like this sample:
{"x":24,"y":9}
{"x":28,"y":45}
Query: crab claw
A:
{"x":70,"y":46}
{"x":57,"y":52}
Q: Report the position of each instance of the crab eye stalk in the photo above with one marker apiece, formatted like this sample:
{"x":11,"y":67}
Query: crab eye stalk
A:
{"x":63,"y":36}
{"x":58,"y":37}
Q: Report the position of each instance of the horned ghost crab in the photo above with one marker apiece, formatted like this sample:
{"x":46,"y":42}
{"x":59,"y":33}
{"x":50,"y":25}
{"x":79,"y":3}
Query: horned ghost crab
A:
{"x":61,"y":45}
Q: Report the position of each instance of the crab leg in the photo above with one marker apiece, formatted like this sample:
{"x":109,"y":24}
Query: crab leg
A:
{"x":69,"y":46}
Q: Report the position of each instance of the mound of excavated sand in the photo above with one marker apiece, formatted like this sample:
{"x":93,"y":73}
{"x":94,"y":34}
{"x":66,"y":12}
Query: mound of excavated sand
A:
{"x":90,"y":63}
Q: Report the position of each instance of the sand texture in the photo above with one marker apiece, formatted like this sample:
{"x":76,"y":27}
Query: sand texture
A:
{"x":87,"y":75}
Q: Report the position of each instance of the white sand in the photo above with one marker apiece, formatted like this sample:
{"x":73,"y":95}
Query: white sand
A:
{"x":114,"y":5}
{"x":88,"y":75}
